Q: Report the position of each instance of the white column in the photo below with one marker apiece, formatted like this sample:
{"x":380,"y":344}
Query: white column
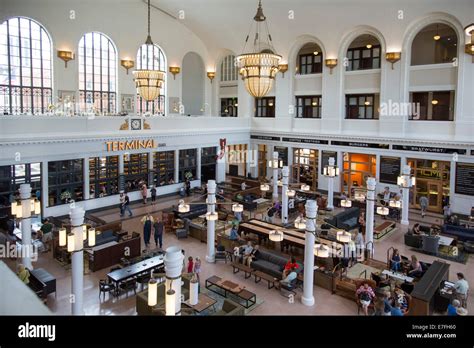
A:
{"x":290,"y":156}
{"x":269,"y":157}
{"x":274,"y":163}
{"x":369,"y":214}
{"x":221,"y":168}
{"x":284,"y":209}
{"x":173,"y":267}
{"x":249,"y":158}
{"x":26,"y":247}
{"x":199,"y":163}
{"x":211,"y":225}
{"x":176,"y":166}
{"x":151,"y":164}
{"x":86,"y":188}
{"x":308,"y":286}
{"x":44,"y":187}
{"x":121,"y":172}
{"x":77,"y":262}
{"x":406,"y":171}
{"x":331,"y":184}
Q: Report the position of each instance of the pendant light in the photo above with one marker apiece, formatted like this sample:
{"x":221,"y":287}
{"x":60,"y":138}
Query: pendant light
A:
{"x":437,"y":36}
{"x":147,"y":81}
{"x":259,"y":68}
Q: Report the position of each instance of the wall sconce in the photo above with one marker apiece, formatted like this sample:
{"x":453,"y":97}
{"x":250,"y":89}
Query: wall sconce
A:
{"x":211,"y":75}
{"x":331,"y":63}
{"x":127,"y":64}
{"x":393,"y":57}
{"x":175,"y":70}
{"x":66,"y":56}
{"x":469,"y":48}
{"x":283,"y":68}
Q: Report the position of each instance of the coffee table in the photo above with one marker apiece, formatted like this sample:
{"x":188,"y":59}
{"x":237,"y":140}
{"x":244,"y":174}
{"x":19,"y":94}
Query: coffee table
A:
{"x":204,"y":302}
{"x":226,"y":288}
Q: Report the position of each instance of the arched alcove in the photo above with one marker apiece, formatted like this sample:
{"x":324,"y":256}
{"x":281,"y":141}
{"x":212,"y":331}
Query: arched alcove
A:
{"x":193,"y":84}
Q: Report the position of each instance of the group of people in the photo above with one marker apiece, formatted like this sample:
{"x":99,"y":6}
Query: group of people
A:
{"x":412,"y":268}
{"x":393,"y":303}
{"x":150,"y":222}
{"x":194,"y":266}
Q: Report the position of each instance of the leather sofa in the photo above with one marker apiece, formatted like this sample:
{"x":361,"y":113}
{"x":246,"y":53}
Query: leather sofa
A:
{"x":347,"y":219}
{"x":272,"y":264}
{"x":461,"y":233}
{"x":413,"y":240}
{"x":230,"y":308}
{"x":142,"y":298}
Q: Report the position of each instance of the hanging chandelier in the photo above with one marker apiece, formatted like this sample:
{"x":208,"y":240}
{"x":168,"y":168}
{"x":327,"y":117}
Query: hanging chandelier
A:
{"x":149,"y":82}
{"x":258,"y":69}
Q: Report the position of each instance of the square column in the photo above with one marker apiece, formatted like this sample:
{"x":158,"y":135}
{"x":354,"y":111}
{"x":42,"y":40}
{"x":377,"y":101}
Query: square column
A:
{"x":86,"y":188}
{"x":176,"y":166}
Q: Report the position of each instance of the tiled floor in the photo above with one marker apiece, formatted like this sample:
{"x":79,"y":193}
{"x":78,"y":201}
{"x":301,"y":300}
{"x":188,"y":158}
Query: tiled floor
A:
{"x":274,"y":303}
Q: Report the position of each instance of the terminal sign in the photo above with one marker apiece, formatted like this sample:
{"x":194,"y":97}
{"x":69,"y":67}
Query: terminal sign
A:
{"x":130,"y":145}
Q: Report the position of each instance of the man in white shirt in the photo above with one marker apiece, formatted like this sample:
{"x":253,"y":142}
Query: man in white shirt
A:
{"x":243,"y":186}
{"x":461,"y":287}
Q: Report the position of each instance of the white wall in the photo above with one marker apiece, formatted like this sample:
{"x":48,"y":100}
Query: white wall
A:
{"x":193,"y":84}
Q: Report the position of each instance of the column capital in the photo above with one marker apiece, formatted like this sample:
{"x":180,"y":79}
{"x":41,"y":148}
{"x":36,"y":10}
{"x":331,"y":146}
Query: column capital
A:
{"x":331,"y":161}
{"x":371,"y":183}
{"x":25,"y":191}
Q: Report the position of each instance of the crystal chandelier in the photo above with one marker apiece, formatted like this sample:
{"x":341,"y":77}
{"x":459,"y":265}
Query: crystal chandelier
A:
{"x":258,"y":69}
{"x":149,"y":82}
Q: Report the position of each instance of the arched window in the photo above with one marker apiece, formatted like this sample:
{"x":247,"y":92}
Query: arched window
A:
{"x":152,"y":58}
{"x":364,"y":53}
{"x":97,"y":73}
{"x":434,"y":44}
{"x":26,"y":78}
{"x":229,"y":69}
{"x":310,"y":59}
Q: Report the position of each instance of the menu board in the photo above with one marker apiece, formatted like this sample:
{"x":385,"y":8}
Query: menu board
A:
{"x":325,"y":156}
{"x":390,"y":168}
{"x":464,"y":179}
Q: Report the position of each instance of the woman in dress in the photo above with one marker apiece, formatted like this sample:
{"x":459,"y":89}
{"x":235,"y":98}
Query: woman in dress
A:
{"x":197,"y":267}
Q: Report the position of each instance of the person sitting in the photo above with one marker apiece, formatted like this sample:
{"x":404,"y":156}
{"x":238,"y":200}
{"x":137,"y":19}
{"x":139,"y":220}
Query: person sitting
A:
{"x":365,"y":294}
{"x":387,"y":307}
{"x":247,"y":250}
{"x":286,"y":281}
{"x":23,"y":273}
{"x":453,"y":307}
{"x":396,"y":310}
{"x":254,"y":255}
{"x":396,"y":261}
{"x":416,"y":229}
{"x":270,"y":214}
{"x":415,"y":267}
{"x":290,"y":265}
{"x":454,"y":220}
{"x":234,"y":235}
{"x":400,"y":298}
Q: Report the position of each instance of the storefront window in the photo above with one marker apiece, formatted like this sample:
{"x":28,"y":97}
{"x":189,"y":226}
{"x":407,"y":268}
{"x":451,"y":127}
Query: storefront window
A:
{"x":305,"y":167}
{"x":282,"y":154}
{"x":103,"y":176}
{"x":236,"y":159}
{"x":187,"y":164}
{"x":164,"y":168}
{"x":65,"y":180}
{"x":262,"y":160}
{"x":357,"y":167}
{"x":135,"y":168}
{"x":11,"y":177}
{"x":208,"y":163}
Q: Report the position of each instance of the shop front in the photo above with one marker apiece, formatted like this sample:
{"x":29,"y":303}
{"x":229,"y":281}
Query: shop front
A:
{"x":305,"y":167}
{"x":236,"y":159}
{"x":262,"y":160}
{"x":357,"y":167}
{"x":208,"y":163}
{"x":432,"y":181}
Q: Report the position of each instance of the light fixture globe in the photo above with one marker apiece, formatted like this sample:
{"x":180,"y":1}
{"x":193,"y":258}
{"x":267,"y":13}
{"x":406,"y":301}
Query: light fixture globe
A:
{"x":211,"y":216}
{"x":343,"y":236}
{"x":258,"y":71}
{"x":305,"y":187}
{"x":346,"y":203}
{"x":382,"y":211}
{"x":321,"y":250}
{"x":276,"y":236}
{"x":300,"y":223}
{"x":183,"y":207}
{"x":290,"y":193}
{"x":264,"y":187}
{"x":237,"y":208}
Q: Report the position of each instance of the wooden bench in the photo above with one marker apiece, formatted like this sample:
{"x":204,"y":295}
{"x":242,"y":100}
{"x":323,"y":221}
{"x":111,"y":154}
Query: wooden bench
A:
{"x":270,"y":279}
{"x":237,"y":267}
{"x":384,"y":228}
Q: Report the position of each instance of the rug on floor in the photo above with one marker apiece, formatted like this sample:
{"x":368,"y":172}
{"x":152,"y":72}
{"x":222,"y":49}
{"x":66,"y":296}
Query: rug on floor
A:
{"x":220,"y":301}
{"x":359,"y":270}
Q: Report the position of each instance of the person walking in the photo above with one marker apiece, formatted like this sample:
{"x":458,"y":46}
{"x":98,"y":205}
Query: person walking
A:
{"x":147,"y":221}
{"x":126,"y":206}
{"x":197,"y":267}
{"x":158,"y":227}
{"x":423,"y":205}
{"x":144,"y":193}
{"x":121,"y":204}
{"x":153,"y":195}
{"x":47,"y":230}
{"x":188,"y":187}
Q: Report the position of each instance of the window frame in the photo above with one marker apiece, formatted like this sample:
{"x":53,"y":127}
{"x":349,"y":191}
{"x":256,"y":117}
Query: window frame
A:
{"x":164,"y":168}
{"x":302,"y":110}
{"x":263,"y":109}
{"x":366,"y":107}
{"x":231,"y":104}
{"x":360,"y":59}
{"x":312,"y":67}
{"x":191,"y":156}
{"x":97,"y":178}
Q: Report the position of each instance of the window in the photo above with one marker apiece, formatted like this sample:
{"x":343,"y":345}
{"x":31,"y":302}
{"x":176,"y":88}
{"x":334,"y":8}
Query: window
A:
{"x":361,"y":106}
{"x":229,"y":107}
{"x":265,"y":107}
{"x":433,"y":106}
{"x":229,"y":69}
{"x":11,"y":177}
{"x":434,"y":44}
{"x":152,"y":57}
{"x":26,"y":78}
{"x":310,"y":64}
{"x":65,"y":180}
{"x":97,"y":74}
{"x":363,"y":58}
{"x":135,"y":169}
{"x":164,"y":168}
{"x":103,"y":176}
{"x":208,"y":163}
{"x":308,"y":106}
{"x":187,"y":164}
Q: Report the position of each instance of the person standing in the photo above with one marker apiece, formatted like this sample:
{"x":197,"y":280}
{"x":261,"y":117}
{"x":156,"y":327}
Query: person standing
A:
{"x":362,"y":222}
{"x":190,"y":264}
{"x":188,"y":187}
{"x":197,"y":267}
{"x":423,"y":205}
{"x":243,"y":186}
{"x":147,"y":221}
{"x":461,"y":287}
{"x":159,"y":227}
{"x":121,"y":205}
{"x":153,"y":195}
{"x":47,"y":231}
{"x":126,"y":206}
{"x":359,"y":245}
{"x":447,"y":213}
{"x":144,"y":193}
